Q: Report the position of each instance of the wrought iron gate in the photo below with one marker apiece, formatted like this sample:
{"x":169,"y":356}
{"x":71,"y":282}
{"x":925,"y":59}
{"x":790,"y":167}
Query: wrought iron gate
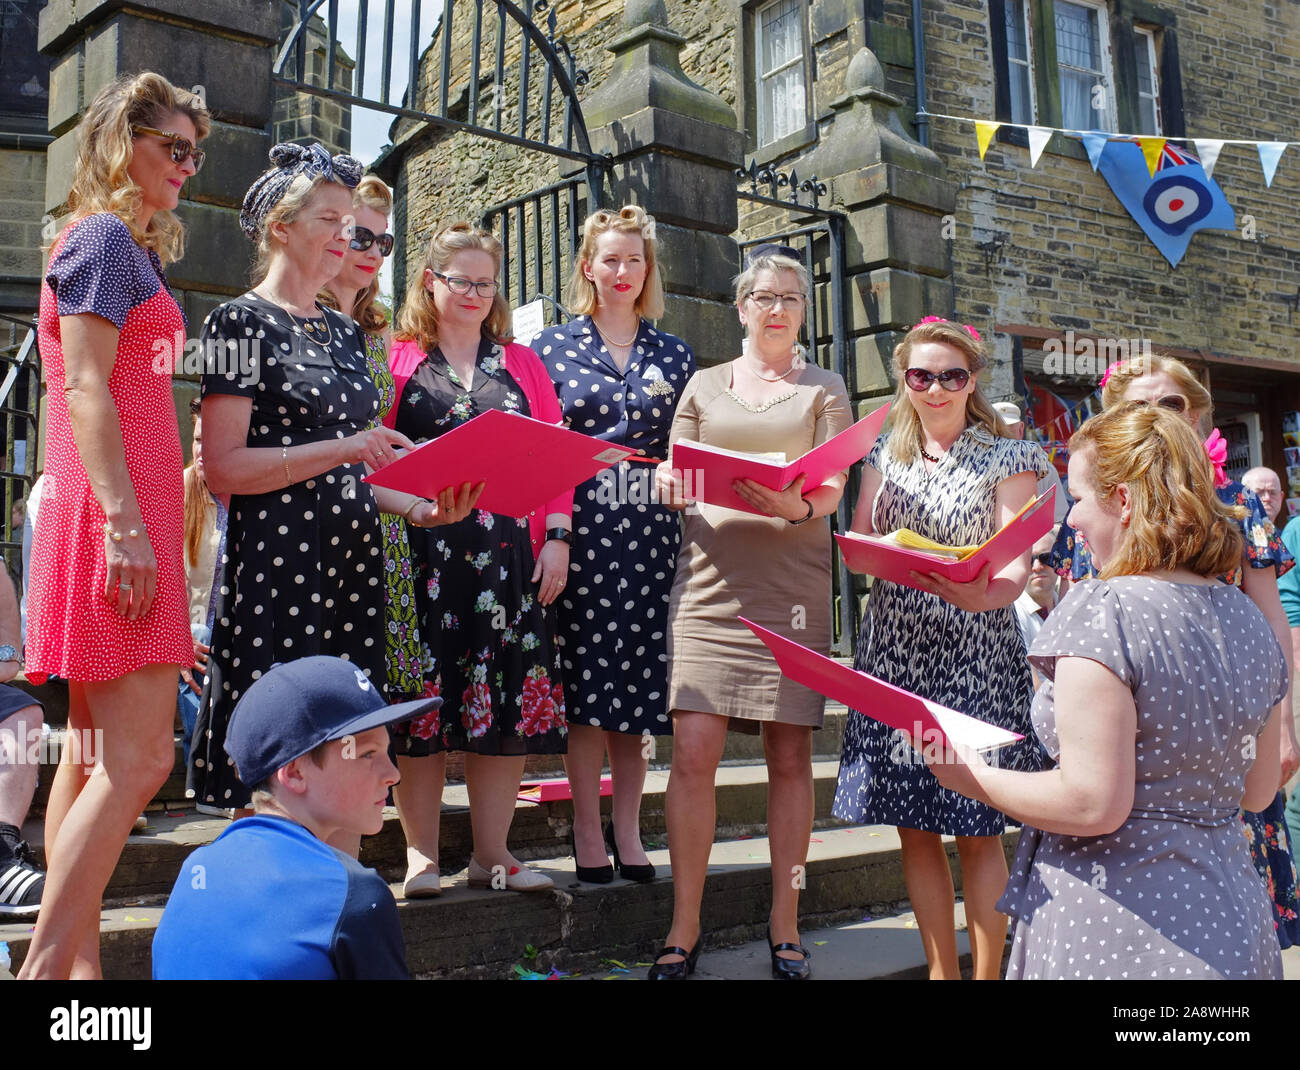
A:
{"x":489,"y":70}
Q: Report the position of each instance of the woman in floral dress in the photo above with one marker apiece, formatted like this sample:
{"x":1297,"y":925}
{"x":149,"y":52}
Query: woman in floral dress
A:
{"x":1169,"y":384}
{"x":484,"y":585}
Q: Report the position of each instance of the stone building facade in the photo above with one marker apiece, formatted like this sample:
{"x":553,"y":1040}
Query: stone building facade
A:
{"x":1025,"y":253}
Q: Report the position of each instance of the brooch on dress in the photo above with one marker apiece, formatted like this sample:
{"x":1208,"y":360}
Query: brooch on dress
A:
{"x":659,"y":386}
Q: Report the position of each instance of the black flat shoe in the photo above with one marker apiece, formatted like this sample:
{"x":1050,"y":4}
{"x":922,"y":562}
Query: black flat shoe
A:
{"x":675,"y":971}
{"x":640,"y":874}
{"x":789,"y":969}
{"x":591,"y":874}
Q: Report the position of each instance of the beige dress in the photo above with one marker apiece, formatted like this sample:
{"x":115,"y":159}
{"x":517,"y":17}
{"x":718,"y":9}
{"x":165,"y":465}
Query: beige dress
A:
{"x":735,"y":564}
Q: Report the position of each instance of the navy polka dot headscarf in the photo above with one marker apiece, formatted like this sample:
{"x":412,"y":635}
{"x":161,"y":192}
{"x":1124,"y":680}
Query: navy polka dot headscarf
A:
{"x":290,"y":161}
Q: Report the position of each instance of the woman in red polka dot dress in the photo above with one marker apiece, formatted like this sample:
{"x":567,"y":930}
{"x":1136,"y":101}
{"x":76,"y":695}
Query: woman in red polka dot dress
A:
{"x":107,"y":610}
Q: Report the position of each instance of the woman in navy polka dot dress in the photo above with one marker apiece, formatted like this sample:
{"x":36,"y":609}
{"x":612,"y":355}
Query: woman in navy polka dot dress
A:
{"x":1159,"y":716}
{"x":618,"y":379}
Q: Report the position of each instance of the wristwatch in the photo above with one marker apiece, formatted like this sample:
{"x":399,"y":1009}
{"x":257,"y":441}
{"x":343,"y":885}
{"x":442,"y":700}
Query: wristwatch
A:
{"x":8,"y":653}
{"x":563,"y":534}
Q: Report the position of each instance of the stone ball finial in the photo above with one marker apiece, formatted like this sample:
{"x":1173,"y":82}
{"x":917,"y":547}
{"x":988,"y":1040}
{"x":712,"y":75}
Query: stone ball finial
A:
{"x":864,"y":71}
{"x":644,"y":13}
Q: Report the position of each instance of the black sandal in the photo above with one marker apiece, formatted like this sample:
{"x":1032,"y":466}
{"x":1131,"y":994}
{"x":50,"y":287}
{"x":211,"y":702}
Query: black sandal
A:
{"x":675,"y":971}
{"x":784,"y":969}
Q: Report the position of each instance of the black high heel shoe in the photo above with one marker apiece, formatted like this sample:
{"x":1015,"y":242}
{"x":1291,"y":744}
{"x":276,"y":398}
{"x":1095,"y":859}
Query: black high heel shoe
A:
{"x":676,"y":971}
{"x":789,"y":969}
{"x":589,"y":874}
{"x":641,"y":874}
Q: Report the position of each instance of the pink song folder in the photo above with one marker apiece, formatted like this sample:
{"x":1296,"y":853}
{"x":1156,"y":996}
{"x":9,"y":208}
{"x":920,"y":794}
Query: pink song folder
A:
{"x":713,"y":473}
{"x":523,"y":463}
{"x":885,"y":561}
{"x":880,"y":701}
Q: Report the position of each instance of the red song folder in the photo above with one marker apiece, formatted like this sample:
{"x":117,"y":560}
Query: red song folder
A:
{"x":714,"y":469}
{"x":523,"y":463}
{"x":883,"y":702}
{"x":871,"y":555}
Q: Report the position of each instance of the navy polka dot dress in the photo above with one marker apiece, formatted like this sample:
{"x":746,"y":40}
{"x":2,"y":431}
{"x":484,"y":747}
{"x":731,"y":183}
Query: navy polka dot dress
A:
{"x":614,"y":610}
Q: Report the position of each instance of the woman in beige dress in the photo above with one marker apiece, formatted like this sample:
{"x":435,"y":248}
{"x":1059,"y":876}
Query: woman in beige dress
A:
{"x":773,"y":569}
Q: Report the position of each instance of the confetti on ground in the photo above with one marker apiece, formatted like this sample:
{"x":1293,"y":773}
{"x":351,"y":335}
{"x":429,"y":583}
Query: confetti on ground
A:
{"x":866,"y":917}
{"x":143,"y":921}
{"x":909,"y":925}
{"x":819,"y":943}
{"x":528,"y":975}
{"x":556,"y":975}
{"x":613,"y":962}
{"x":639,"y":965}
{"x":814,"y":840}
{"x":874,"y":835}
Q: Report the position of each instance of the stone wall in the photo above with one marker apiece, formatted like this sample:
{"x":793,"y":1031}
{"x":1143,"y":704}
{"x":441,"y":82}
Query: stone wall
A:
{"x":22,"y":177}
{"x":304,"y":116}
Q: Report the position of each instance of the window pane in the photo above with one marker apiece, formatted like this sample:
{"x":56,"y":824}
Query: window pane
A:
{"x":783,"y":109}
{"x":1017,"y":47}
{"x":780,"y":32}
{"x":1076,"y":103}
{"x":24,"y":72}
{"x":1021,"y":104}
{"x":1147,"y":121}
{"x":1077,"y":42}
{"x":1142,"y":49}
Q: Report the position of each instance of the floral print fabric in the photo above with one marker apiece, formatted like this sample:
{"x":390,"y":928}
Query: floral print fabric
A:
{"x":486,"y":645}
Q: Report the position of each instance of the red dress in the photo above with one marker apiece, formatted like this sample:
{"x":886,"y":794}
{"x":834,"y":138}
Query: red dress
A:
{"x":73,"y":630}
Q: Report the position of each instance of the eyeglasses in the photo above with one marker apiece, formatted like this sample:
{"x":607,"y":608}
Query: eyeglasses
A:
{"x":766,"y":301}
{"x":463,"y":286}
{"x":363,"y":238}
{"x":1171,"y":402}
{"x":1043,"y":559}
{"x":182,"y":150}
{"x":953,"y":379}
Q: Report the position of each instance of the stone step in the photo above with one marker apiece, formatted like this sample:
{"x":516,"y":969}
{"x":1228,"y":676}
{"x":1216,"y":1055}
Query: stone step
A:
{"x":853,"y":874}
{"x":151,"y":859}
{"x":740,"y":748}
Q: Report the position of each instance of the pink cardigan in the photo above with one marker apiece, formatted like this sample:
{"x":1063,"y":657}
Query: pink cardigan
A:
{"x":526,"y":369}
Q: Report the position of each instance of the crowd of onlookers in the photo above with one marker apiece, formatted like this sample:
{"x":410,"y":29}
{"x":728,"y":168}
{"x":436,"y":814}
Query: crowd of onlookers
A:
{"x":323,"y":640}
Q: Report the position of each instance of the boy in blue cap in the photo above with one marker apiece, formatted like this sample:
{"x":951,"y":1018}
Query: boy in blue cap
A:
{"x":270,"y":898}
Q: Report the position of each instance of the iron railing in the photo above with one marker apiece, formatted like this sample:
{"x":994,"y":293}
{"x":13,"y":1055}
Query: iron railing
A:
{"x":20,"y":398}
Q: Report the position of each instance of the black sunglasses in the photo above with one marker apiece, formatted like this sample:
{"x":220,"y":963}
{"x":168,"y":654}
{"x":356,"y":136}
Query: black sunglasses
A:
{"x":363,"y":239}
{"x":953,"y":379}
{"x":1044,"y":559}
{"x":181,"y":148}
{"x":1171,"y":402}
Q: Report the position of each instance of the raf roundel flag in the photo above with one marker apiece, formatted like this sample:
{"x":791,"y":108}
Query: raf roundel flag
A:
{"x":1171,"y":205}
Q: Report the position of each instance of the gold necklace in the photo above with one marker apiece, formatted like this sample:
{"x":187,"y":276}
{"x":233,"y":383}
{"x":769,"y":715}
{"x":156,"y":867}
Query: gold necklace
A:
{"x":610,"y":341}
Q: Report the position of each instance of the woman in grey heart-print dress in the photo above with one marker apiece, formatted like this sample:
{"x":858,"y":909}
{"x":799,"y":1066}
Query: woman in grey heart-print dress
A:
{"x":1159,"y":718}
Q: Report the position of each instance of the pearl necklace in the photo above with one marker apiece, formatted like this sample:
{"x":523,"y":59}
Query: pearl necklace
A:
{"x":777,"y":379}
{"x":610,"y":341}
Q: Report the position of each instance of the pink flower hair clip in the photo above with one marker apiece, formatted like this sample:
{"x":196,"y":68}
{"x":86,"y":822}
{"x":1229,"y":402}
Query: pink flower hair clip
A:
{"x":1109,"y":370}
{"x":964,"y":326}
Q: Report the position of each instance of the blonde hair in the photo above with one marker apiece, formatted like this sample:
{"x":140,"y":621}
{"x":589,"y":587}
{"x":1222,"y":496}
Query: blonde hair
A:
{"x":197,"y":501}
{"x":418,"y":319}
{"x":580,"y":295}
{"x":370,"y":315}
{"x":744,"y":282}
{"x":1175,"y":518}
{"x":905,"y":424}
{"x":105,"y":148}
{"x":1122,"y":375}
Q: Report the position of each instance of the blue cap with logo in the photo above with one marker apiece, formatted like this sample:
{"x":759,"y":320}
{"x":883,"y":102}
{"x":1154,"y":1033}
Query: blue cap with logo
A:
{"x":298,"y":705}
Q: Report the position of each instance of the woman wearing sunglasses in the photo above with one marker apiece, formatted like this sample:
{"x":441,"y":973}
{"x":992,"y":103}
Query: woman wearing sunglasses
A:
{"x":618,"y":379}
{"x":773,"y":566}
{"x":108,"y":603}
{"x":483,"y":586}
{"x":291,"y":438}
{"x":1170,"y":385}
{"x":1160,"y":717}
{"x":945,"y":470}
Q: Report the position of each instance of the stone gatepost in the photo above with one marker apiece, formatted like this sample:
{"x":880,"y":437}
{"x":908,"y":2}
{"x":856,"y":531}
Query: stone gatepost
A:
{"x":224,"y":46}
{"x":674,"y":147}
{"x":899,"y":207}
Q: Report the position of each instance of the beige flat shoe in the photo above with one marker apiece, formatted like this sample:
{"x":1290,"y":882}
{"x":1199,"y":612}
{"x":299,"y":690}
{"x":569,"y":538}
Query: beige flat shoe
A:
{"x":422,"y":878}
{"x":518,"y":879}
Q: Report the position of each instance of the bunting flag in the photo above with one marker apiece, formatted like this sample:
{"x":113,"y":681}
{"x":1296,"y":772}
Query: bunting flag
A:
{"x":1095,"y":143}
{"x":984,"y":132}
{"x":1269,"y":154}
{"x":1039,"y":136}
{"x":1152,"y":148}
{"x":1208,"y":149}
{"x":1171,"y":205}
